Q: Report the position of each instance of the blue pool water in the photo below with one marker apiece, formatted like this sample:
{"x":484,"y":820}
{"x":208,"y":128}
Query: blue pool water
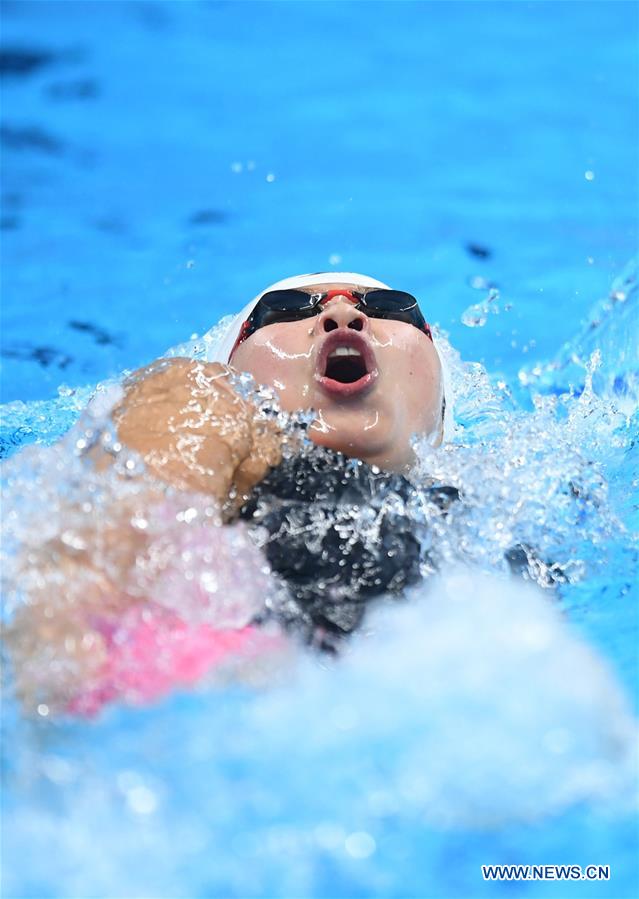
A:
{"x":165,"y":161}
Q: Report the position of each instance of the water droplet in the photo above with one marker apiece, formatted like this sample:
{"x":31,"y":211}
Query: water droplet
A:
{"x":360,"y":844}
{"x":142,"y":800}
{"x":270,"y":177}
{"x":475,"y":316}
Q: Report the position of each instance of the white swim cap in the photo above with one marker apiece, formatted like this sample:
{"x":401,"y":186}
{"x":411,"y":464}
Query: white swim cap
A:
{"x":220,"y":350}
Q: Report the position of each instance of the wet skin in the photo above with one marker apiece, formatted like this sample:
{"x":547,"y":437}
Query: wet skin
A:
{"x":374,"y":418}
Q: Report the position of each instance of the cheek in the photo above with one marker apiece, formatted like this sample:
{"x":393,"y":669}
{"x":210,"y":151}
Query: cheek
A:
{"x":410,"y":366}
{"x":280,"y":357}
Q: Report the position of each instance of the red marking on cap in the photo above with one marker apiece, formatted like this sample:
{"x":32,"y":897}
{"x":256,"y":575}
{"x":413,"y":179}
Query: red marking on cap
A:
{"x":240,"y":337}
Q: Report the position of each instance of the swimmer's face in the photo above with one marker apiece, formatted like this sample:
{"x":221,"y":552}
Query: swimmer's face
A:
{"x":373,"y":383}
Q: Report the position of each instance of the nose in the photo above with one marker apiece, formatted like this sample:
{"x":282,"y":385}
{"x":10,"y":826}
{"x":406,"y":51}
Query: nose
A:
{"x":340,"y":312}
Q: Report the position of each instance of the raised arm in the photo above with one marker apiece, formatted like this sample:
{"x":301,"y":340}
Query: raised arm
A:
{"x":194,"y":431}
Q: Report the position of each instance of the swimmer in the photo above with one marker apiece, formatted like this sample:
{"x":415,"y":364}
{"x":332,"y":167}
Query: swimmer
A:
{"x":333,"y":517}
{"x":357,"y":353}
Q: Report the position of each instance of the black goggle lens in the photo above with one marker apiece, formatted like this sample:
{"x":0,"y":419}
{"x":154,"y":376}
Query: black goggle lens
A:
{"x":389,"y":301}
{"x":284,"y":306}
{"x":290,"y":301}
{"x":394,"y":304}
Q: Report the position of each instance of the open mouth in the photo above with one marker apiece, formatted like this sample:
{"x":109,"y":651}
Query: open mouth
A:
{"x":346,"y":365}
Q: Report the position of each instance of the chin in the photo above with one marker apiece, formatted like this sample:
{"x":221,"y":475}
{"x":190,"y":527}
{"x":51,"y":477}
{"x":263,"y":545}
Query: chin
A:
{"x":385,"y":457}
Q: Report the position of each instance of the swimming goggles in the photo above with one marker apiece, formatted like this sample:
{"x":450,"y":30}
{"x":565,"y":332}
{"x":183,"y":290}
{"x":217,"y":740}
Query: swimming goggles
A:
{"x":292,"y":305}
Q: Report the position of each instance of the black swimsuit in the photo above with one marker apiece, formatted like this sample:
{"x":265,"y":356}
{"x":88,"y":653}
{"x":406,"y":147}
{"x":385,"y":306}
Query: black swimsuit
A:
{"x":339,"y":533}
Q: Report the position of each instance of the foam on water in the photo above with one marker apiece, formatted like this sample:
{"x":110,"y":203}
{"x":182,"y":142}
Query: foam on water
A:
{"x":473,"y":708}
